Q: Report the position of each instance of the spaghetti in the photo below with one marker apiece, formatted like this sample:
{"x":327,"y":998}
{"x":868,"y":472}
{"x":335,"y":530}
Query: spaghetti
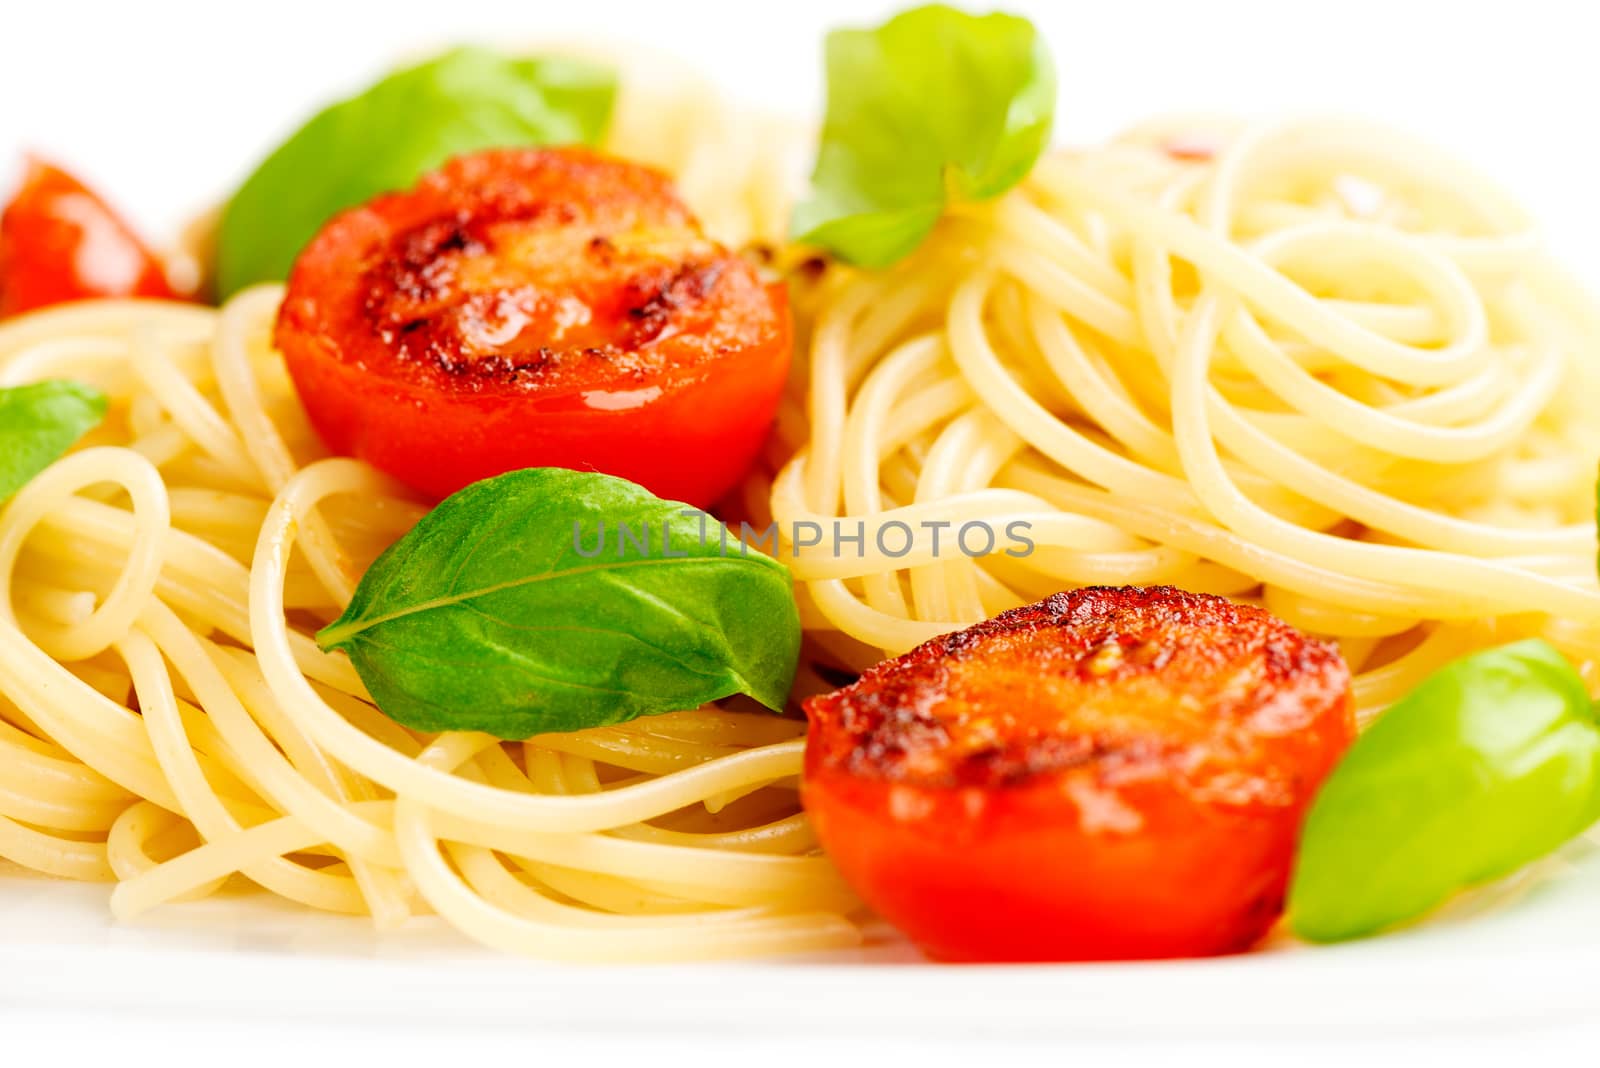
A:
{"x":1312,"y":366}
{"x":1300,"y":367}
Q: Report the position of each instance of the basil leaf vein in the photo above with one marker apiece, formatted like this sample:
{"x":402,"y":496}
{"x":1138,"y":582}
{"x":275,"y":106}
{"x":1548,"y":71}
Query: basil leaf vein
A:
{"x":39,"y":423}
{"x":384,"y":138}
{"x":487,"y":616}
{"x":933,"y":104}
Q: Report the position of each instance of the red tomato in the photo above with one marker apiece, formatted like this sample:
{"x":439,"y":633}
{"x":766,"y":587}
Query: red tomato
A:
{"x":536,"y":308}
{"x":60,"y":242}
{"x":1110,"y":773}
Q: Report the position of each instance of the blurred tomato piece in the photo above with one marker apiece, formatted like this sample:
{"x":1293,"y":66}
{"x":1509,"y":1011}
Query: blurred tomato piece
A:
{"x":61,"y":242}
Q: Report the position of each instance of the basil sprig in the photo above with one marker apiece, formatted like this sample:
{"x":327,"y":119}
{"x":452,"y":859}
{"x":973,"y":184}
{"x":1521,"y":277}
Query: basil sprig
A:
{"x":1490,"y":763}
{"x":934,"y":104}
{"x":554,"y":600}
{"x":383,"y":139}
{"x":39,"y":423}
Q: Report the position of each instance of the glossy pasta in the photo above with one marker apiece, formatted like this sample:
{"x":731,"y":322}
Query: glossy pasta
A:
{"x":166,"y":720}
{"x":1310,"y":365}
{"x":176,"y":594}
{"x":1316,"y":370}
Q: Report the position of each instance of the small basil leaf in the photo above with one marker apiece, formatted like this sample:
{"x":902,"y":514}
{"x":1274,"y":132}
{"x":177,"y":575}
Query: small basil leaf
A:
{"x":548,"y":600}
{"x":39,"y":423}
{"x":1490,"y":763}
{"x":934,"y":103}
{"x":408,"y":123}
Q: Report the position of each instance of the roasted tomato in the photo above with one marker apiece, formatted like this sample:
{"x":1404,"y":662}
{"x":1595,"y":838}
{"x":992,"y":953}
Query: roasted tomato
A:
{"x":60,"y":242}
{"x":1110,"y":773}
{"x":536,"y":308}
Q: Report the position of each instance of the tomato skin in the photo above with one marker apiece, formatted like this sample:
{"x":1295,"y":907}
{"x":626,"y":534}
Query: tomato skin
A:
{"x":989,"y":825}
{"x":60,"y":242}
{"x":1027,"y":881}
{"x":536,"y":307}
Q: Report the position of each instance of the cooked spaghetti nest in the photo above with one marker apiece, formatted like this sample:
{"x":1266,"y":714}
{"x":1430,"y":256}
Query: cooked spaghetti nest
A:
{"x":1320,"y":370}
{"x":1311,"y":365}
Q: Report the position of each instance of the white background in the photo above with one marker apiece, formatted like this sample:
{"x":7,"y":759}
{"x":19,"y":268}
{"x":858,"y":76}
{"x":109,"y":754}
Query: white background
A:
{"x":165,"y":105}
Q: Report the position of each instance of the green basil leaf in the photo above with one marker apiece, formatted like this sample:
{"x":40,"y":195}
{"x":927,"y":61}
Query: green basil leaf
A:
{"x":39,"y":423}
{"x":383,"y":139}
{"x":550,"y":600}
{"x":934,"y":103}
{"x":1490,"y":763}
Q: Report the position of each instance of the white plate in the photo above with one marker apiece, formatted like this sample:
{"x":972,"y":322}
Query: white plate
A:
{"x":1513,"y":956}
{"x":1533,"y":960}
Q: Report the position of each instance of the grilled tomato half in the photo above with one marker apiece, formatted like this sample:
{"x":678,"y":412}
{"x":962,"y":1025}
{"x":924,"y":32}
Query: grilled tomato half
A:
{"x":1107,"y":774}
{"x":547,"y":307}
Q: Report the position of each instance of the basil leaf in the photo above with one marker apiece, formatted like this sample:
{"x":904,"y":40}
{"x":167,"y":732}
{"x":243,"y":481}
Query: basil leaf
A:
{"x":381,"y":140}
{"x":934,"y":103}
{"x":547,"y":600}
{"x":39,"y":423}
{"x":1488,"y":764}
